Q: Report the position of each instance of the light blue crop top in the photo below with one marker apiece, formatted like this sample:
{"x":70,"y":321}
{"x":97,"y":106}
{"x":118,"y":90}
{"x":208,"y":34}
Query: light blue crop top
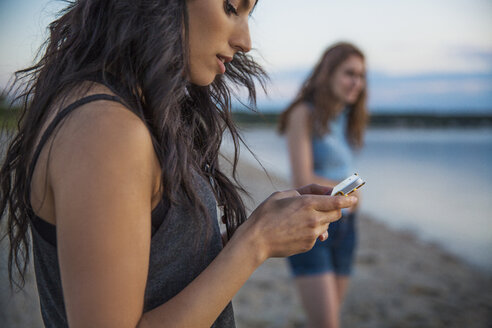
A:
{"x":332,"y":154}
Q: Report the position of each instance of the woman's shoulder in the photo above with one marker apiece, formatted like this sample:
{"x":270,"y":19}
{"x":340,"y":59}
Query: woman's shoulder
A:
{"x":303,"y":106}
{"x":104,"y":120}
{"x":95,"y":141}
{"x":103,"y":129}
{"x":90,"y":106}
{"x":100,"y":112}
{"x":300,"y":113}
{"x":297,"y":121}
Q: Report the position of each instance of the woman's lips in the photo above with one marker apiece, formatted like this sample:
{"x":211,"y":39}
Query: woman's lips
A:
{"x":221,"y":65}
{"x":222,"y":60}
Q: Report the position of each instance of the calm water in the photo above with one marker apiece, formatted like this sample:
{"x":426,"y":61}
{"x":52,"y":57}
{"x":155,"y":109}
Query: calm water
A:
{"x":436,"y":183}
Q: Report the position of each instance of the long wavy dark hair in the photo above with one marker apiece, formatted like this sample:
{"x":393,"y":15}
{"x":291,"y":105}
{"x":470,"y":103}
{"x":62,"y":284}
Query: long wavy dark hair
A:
{"x":143,"y":46}
{"x":317,"y":90}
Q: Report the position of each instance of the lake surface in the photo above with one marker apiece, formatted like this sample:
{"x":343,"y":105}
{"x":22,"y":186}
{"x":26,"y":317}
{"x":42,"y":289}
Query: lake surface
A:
{"x":435,"y":183}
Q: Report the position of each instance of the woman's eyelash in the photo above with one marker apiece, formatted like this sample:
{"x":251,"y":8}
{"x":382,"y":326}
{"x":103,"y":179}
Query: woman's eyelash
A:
{"x":230,"y":9}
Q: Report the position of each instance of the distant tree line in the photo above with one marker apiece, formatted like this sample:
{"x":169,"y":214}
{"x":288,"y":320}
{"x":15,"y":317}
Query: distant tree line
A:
{"x":8,"y":117}
{"x":8,"y":114}
{"x":385,"y":119}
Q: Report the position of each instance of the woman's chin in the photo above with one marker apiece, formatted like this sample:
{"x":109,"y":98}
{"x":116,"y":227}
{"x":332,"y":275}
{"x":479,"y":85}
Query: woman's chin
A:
{"x":203,"y":80}
{"x":351,"y":100}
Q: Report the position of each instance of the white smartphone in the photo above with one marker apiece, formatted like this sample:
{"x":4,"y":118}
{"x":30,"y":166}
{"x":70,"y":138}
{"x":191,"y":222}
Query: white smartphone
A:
{"x":348,"y":186}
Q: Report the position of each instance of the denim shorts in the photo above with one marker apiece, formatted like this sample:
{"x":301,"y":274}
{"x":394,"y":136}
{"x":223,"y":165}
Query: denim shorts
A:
{"x":336,"y":254}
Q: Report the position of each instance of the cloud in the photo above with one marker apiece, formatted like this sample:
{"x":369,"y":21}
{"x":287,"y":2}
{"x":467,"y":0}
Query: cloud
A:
{"x":440,"y":91}
{"x":473,"y":53}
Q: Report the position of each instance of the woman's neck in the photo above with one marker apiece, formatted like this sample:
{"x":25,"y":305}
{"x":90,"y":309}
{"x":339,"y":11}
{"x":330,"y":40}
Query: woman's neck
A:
{"x":338,"y":107}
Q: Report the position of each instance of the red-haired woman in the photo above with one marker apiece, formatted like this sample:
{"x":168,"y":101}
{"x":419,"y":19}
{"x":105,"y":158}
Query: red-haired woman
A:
{"x":323,"y":125}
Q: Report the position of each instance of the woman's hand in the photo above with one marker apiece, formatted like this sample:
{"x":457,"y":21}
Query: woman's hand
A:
{"x":354,"y":208}
{"x":289,"y":222}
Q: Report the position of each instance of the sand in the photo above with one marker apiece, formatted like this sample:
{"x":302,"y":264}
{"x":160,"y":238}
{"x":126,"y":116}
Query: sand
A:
{"x":399,"y":281}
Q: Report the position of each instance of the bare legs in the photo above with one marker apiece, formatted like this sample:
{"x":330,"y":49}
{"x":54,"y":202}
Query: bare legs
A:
{"x":322,"y":296}
{"x":342,"y":285}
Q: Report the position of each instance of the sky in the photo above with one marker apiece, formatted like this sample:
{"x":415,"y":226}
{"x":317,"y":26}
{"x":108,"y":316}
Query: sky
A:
{"x":421,"y":54}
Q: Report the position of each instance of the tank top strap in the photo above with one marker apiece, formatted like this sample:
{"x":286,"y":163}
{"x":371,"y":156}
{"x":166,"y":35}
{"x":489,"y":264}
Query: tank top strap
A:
{"x":58,"y":118}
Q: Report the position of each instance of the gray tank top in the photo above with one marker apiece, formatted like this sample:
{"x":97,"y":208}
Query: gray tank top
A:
{"x":182,"y":246}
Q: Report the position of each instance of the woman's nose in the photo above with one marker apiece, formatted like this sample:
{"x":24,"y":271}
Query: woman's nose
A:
{"x":357,"y":79}
{"x":359,"y":82}
{"x":241,"y":39}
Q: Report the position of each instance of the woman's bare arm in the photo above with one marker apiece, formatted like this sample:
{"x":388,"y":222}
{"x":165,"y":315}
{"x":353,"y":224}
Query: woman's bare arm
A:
{"x":300,"y":149}
{"x":102,"y":174}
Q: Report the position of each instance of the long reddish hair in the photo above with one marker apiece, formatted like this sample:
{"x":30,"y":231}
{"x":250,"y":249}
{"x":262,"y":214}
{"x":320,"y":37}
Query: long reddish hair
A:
{"x":317,"y":90}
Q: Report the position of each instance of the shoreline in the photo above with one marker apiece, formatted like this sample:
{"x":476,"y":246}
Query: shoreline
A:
{"x":411,"y":176}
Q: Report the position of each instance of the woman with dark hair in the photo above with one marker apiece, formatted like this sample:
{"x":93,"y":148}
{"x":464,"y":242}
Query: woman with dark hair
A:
{"x":114,"y":169}
{"x":323,"y":125}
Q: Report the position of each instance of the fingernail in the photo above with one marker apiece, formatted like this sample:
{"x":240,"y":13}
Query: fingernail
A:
{"x":352,"y":199}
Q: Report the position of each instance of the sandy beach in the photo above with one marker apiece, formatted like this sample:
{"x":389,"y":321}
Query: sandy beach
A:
{"x":399,"y":281}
